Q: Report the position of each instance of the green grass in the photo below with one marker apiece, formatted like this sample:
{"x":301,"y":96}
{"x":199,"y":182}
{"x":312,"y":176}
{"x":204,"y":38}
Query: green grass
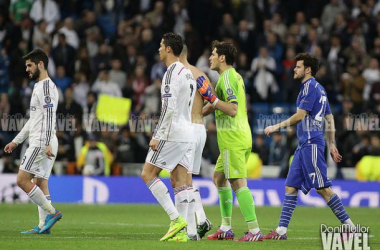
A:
{"x":141,"y":227}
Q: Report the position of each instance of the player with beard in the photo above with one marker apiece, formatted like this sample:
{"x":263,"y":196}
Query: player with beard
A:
{"x":37,"y":163}
{"x":308,"y":168}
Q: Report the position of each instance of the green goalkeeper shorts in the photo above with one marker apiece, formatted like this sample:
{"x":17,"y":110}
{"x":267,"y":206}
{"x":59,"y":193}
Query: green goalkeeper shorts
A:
{"x":233,"y":163}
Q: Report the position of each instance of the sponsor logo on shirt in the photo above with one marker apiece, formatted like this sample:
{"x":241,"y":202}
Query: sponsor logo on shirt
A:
{"x":166,"y":95}
{"x":230,"y":92}
{"x":48,"y":105}
{"x":47,"y":99}
{"x":167,"y":89}
{"x":33,"y":108}
{"x":231,"y":97}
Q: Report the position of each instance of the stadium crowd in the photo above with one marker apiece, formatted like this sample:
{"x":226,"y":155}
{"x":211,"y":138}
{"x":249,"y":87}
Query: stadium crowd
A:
{"x":111,"y":47}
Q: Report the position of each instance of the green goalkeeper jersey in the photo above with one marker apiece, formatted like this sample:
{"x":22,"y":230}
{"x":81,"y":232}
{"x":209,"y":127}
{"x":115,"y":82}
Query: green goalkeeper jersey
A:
{"x":233,"y":132}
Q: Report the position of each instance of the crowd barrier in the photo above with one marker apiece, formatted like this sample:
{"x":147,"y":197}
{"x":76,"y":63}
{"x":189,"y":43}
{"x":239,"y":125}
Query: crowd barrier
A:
{"x":105,"y":190}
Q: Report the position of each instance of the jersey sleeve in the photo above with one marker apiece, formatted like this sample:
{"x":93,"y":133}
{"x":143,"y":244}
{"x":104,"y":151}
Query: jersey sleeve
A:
{"x":229,"y":89}
{"x":48,"y":100}
{"x":169,"y":94}
{"x":23,"y":134}
{"x":309,"y":95}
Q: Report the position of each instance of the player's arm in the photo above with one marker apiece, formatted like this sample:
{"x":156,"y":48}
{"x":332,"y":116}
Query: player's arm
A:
{"x":229,"y":108}
{"x":48,"y":100}
{"x":294,"y":119}
{"x":20,"y":138}
{"x":169,"y":103}
{"x":208,"y":109}
{"x":330,"y":131}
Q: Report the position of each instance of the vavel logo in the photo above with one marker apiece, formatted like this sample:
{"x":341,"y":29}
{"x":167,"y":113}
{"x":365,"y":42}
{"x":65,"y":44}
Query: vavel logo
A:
{"x":345,"y":238}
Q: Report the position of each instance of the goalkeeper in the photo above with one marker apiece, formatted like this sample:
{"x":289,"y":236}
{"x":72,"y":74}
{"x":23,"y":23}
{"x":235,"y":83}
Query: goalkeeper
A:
{"x":234,"y":141}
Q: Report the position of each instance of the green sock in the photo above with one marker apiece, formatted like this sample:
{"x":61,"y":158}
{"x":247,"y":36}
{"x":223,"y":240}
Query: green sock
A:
{"x":225,"y":203}
{"x":247,"y":207}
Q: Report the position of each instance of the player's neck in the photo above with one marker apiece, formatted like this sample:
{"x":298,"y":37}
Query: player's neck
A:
{"x":170,"y":60}
{"x":184,"y":62}
{"x":224,"y":68}
{"x":306,"y":78}
{"x":43,"y":76}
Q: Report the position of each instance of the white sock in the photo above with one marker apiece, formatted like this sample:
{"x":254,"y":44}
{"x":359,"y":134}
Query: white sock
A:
{"x":226,"y":223}
{"x":253,"y":226}
{"x":199,"y":211}
{"x":161,"y":193}
{"x":181,"y":197}
{"x":281,"y":230}
{"x":39,"y":198}
{"x":42,"y":213}
{"x":191,"y":226}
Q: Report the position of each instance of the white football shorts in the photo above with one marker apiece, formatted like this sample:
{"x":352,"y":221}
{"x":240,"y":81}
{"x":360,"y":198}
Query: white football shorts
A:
{"x":170,"y":154}
{"x":201,"y":135}
{"x":36,"y":162}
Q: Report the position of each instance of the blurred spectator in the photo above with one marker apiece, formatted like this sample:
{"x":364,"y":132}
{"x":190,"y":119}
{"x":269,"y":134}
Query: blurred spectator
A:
{"x":40,"y":35}
{"x":81,"y":88}
{"x":263,"y":68}
{"x":278,"y":26}
{"x":89,"y":111}
{"x":16,"y":63}
{"x":361,"y":149}
{"x":125,"y":147}
{"x":180,"y":17}
{"x":148,"y":46}
{"x":158,"y":69}
{"x":152,"y":97}
{"x":157,"y":16}
{"x":102,"y":59}
{"x":116,"y":74}
{"x":374,"y":148}
{"x":4,"y":73}
{"x":83,"y":62}
{"x":245,"y":39}
{"x":19,"y":9}
{"x":329,"y":13}
{"x":45,"y":10}
{"x":92,"y":159}
{"x":301,"y":24}
{"x":277,"y":149}
{"x":64,"y":150}
{"x":51,"y":66}
{"x":64,"y":54}
{"x":260,"y":147}
{"x":71,"y":35}
{"x":139,"y":82}
{"x":62,"y":80}
{"x":288,"y":64}
{"x":371,"y":75}
{"x":103,"y":85}
{"x":227,"y":28}
{"x":352,"y":85}
{"x":4,"y":105}
{"x":70,"y":108}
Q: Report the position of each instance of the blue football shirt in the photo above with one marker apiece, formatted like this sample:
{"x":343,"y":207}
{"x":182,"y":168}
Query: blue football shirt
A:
{"x":312,"y":98}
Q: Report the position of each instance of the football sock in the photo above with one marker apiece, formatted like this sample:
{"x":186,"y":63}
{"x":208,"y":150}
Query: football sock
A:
{"x":225,"y":203}
{"x":181,"y":197}
{"x":161,"y":193}
{"x":288,"y":207}
{"x":191,"y":226}
{"x":247,"y":207}
{"x":42,"y":213}
{"x":199,"y":211}
{"x":337,"y":207}
{"x":38,"y":197}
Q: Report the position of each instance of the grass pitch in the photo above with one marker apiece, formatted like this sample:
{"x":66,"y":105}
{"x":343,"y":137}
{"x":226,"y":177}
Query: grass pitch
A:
{"x":141,"y":227}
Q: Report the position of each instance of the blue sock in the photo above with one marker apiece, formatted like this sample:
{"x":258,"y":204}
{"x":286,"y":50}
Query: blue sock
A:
{"x":337,"y":207}
{"x":290,"y":203}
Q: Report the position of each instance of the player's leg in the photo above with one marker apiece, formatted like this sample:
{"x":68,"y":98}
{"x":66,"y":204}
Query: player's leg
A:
{"x":236,"y":173}
{"x":225,"y":203}
{"x":25,"y":175}
{"x":159,"y":190}
{"x":43,"y":174}
{"x":293,"y":183}
{"x":191,"y":220}
{"x":322,"y":185}
{"x":43,"y":185}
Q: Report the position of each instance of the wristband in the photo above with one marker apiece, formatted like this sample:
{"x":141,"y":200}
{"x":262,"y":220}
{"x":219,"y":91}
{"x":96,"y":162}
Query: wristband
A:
{"x":215,"y":102}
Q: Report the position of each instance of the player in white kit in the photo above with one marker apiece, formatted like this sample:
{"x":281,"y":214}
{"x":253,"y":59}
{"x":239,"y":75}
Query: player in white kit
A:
{"x":38,"y":160}
{"x":197,"y":226}
{"x":172,"y":145}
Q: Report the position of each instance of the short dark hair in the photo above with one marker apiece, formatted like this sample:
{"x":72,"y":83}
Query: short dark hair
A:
{"x":226,"y":49}
{"x":309,"y":61}
{"x":37,"y":56}
{"x":173,"y":41}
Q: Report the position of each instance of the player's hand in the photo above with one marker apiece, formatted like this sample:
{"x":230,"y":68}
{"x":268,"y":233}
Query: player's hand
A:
{"x":9,"y":147}
{"x":154,"y":144}
{"x":49,"y":152}
{"x":335,"y":153}
{"x":270,"y":129}
{"x":204,"y":88}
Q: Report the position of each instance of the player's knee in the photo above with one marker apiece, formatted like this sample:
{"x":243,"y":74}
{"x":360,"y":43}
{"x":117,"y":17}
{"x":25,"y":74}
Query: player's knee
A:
{"x":21,"y":181}
{"x":290,"y":190}
{"x":146,"y":176}
{"x":325,"y":192}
